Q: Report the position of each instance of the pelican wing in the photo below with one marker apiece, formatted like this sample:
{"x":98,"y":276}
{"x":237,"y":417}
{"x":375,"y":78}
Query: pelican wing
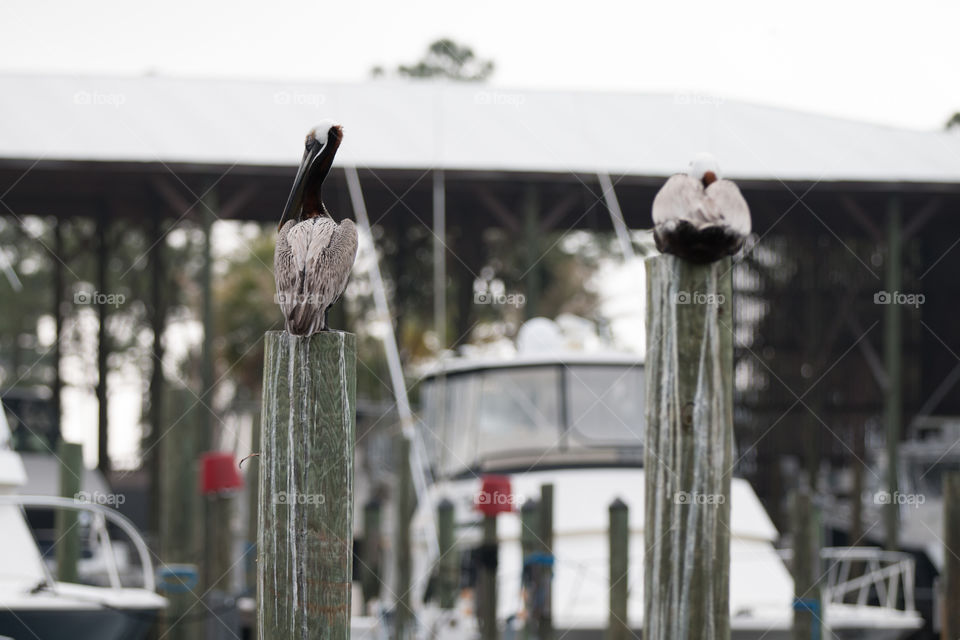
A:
{"x":727,"y":207}
{"x":284,"y":271}
{"x":328,"y":275}
{"x":681,"y":198}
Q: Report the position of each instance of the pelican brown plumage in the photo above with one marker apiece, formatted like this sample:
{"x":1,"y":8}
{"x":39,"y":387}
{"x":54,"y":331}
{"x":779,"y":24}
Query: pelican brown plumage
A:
{"x":698,"y":216}
{"x":314,"y":254}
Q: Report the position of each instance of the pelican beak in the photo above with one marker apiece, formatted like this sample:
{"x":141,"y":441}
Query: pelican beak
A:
{"x":314,"y":167}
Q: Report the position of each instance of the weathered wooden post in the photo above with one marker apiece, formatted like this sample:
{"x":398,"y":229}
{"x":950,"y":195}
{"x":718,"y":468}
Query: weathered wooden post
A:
{"x":372,"y":546}
{"x":68,"y":536}
{"x":449,"y":569}
{"x":529,"y":542}
{"x":545,"y":567}
{"x":951,"y":563}
{"x":618,"y":627}
{"x":807,"y":606}
{"x":305,"y":537}
{"x":689,"y":449}
{"x":402,"y":548}
{"x":487,"y":580}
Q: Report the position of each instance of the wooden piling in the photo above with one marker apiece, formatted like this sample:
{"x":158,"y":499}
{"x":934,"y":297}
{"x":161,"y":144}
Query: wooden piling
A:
{"x":950,"y":629}
{"x":371,"y":554}
{"x":688,"y":455}
{"x":180,"y":510}
{"x":529,"y":543}
{"x":807,"y":604}
{"x":68,"y":534}
{"x":402,"y":549}
{"x":487,"y":580}
{"x":545,"y":570}
{"x":449,"y":565}
{"x":305,"y":537}
{"x":618,"y":627}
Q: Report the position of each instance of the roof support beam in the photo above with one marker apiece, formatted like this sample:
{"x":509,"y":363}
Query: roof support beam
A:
{"x":440,"y":258}
{"x":858,"y":214}
{"x":922,"y":217}
{"x":497,"y":208}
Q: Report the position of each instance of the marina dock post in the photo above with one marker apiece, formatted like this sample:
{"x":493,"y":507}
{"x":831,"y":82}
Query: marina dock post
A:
{"x":371,"y":554}
{"x":68,"y":535}
{"x":618,"y":627}
{"x":405,"y":505}
{"x":449,"y":569}
{"x":545,"y":569}
{"x":688,"y":455}
{"x":305,"y":533}
{"x":807,"y":603}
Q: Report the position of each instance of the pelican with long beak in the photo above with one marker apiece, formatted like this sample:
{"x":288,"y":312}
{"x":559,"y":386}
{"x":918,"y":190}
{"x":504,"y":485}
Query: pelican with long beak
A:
{"x":698,"y":216}
{"x":314,"y":254}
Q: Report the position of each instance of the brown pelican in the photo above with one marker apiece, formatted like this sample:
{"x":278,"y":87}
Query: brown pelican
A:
{"x":314,"y":254}
{"x":698,"y":216}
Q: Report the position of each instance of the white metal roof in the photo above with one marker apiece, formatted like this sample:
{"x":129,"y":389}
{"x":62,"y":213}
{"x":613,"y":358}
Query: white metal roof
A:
{"x":392,"y":124}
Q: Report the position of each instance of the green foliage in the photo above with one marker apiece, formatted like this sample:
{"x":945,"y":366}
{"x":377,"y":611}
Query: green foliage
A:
{"x":446,"y":59}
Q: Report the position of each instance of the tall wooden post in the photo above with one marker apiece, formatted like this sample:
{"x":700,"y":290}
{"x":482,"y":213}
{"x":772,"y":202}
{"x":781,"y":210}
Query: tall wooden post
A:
{"x":951,"y":557}
{"x":180,"y":511}
{"x":529,"y":543}
{"x":372,"y":545}
{"x":689,"y":450}
{"x":68,"y":535}
{"x":893,"y":358}
{"x":545,"y":569}
{"x":402,"y":549}
{"x":618,"y":627}
{"x":305,"y":538}
{"x":449,"y":569}
{"x":158,"y":325}
{"x":103,"y":349}
{"x":807,"y":606}
{"x":57,"y":383}
{"x":487,"y":580}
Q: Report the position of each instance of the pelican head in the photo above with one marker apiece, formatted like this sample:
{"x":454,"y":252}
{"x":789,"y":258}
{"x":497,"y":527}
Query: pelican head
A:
{"x":319,"y":149}
{"x":704,"y":168}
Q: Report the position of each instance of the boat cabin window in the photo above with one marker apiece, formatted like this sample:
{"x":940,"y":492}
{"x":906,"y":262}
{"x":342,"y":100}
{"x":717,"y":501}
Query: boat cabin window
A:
{"x":535,"y":411}
{"x":519,"y":410}
{"x":605,"y":404}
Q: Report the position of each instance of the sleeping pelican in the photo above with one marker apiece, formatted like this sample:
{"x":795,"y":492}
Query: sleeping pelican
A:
{"x":314,"y":254}
{"x":698,"y":216}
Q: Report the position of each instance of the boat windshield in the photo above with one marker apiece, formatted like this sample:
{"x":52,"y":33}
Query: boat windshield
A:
{"x":530,"y":411}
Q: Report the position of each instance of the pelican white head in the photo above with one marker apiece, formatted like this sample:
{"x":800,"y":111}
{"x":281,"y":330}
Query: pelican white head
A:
{"x":321,"y":131}
{"x":702,"y":164}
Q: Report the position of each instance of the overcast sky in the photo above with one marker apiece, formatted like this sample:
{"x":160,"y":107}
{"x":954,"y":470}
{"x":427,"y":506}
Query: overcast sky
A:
{"x":888,"y":62}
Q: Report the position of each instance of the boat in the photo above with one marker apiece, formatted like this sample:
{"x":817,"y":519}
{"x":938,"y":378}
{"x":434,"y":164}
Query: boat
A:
{"x":33,"y":604}
{"x":575,"y":420}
